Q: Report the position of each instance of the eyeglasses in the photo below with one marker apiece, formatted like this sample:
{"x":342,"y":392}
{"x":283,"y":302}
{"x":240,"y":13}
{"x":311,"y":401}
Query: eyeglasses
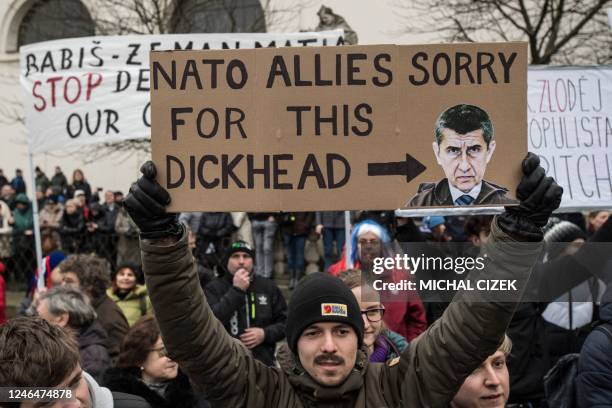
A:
{"x":370,"y":242}
{"x":374,"y":315}
{"x":161,"y":352}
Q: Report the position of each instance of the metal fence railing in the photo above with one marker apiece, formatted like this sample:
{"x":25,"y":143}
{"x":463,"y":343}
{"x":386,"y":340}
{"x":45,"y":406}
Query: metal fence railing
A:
{"x":17,"y":250}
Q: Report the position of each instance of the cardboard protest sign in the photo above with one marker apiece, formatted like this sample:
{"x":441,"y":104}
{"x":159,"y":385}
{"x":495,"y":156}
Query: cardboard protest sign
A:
{"x":96,"y":89}
{"x":338,"y":127}
{"x":570,"y":127}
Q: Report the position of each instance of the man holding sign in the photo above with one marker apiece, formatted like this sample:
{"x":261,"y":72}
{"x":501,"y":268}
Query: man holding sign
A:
{"x":325,"y":326}
{"x":463,"y":147}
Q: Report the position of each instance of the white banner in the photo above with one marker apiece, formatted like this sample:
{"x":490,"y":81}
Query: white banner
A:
{"x":96,"y":89}
{"x":570,"y":127}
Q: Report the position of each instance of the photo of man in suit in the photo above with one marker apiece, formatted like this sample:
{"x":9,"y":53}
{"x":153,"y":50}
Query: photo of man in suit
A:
{"x":463,"y":146}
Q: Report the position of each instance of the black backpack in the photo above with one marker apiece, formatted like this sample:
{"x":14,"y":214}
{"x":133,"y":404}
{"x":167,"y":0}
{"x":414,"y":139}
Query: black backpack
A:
{"x":559,"y":382}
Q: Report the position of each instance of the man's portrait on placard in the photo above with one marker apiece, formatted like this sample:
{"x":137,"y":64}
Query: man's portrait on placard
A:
{"x":464,"y":143}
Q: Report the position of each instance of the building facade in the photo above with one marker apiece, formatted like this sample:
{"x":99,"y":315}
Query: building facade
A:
{"x":28,"y":21}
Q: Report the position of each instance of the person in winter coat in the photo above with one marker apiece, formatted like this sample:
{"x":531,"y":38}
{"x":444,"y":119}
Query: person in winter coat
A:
{"x":143,"y":368}
{"x":83,"y":205}
{"x":23,"y":238}
{"x":569,"y":317}
{"x":59,"y":180}
{"x":324,"y":324}
{"x":295,"y":228}
{"x":18,"y":183}
{"x":250,"y":307}
{"x":264,"y":226}
{"x":383,"y":344}
{"x":594,"y":381}
{"x":111,"y":209}
{"x":328,"y":20}
{"x":41,"y":180}
{"x":79,"y":183}
{"x":23,"y":221}
{"x":99,"y":232}
{"x":488,"y":385}
{"x":51,"y":214}
{"x":70,"y":309}
{"x":7,"y":194}
{"x":128,"y":246}
{"x":212,"y":237}
{"x":330,"y":225}
{"x":531,"y":357}
{"x":72,"y":227}
{"x":91,"y":274}
{"x":404,"y":312}
{"x":125,"y":291}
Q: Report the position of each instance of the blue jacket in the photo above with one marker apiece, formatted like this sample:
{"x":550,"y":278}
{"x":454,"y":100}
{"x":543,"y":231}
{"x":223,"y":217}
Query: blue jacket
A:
{"x":18,"y":184}
{"x":594,"y":381}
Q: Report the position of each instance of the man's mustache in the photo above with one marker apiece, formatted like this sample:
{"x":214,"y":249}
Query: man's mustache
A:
{"x":328,"y":358}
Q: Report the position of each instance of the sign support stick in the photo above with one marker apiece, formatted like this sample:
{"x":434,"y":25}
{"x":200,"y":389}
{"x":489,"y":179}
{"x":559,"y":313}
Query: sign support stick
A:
{"x":37,"y":241}
{"x":347,"y":239}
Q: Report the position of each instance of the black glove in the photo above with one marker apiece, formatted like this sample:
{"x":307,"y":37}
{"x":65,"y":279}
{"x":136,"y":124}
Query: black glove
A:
{"x":146,"y":203}
{"x":538,"y":197}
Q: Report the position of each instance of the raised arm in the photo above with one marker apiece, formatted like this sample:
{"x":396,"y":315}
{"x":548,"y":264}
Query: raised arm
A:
{"x":472,"y":327}
{"x":192,"y":335}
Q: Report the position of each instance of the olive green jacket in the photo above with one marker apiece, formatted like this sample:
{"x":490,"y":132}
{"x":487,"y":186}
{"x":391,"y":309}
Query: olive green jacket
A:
{"x":428,"y":374}
{"x":135,"y":305}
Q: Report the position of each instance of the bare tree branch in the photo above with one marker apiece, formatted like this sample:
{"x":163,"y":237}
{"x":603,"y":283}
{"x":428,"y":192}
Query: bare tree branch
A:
{"x":558,"y":31}
{"x":509,"y":17}
{"x":555,"y":47}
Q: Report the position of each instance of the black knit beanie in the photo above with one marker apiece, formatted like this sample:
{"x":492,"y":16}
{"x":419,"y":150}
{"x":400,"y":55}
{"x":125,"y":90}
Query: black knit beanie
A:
{"x":558,"y":232}
{"x":238,"y":246}
{"x":320,"y":297}
{"x":562,"y":231}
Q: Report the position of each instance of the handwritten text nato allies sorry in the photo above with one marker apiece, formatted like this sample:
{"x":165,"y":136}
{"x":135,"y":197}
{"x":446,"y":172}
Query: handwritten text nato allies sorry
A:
{"x":329,"y":170}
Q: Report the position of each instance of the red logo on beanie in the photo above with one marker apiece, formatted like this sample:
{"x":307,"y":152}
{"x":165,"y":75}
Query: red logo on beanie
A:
{"x":334,"y":309}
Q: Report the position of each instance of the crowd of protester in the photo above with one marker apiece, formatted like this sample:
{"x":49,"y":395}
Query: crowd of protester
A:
{"x":91,"y":285}
{"x":71,"y":218}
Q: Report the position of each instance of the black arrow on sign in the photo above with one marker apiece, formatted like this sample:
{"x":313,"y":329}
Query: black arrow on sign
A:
{"x":409,"y":168}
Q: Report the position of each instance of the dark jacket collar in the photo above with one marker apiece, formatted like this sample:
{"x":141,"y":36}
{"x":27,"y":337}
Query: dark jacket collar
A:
{"x":310,"y":391}
{"x":442,"y":194}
